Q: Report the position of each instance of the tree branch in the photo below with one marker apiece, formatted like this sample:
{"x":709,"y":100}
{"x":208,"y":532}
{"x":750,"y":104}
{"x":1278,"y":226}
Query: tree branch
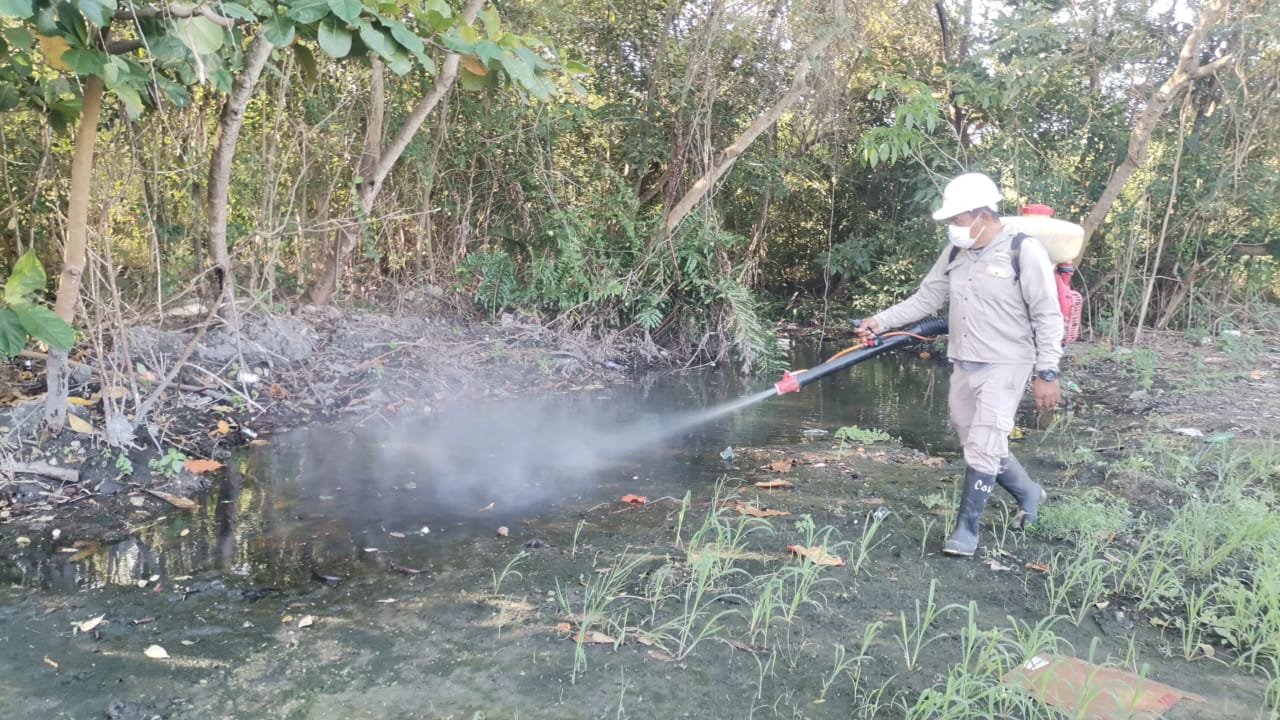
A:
{"x":160,"y":12}
{"x":1211,"y":68}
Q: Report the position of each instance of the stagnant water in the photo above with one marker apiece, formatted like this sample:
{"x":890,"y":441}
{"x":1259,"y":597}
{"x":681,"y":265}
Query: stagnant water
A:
{"x":316,"y":501}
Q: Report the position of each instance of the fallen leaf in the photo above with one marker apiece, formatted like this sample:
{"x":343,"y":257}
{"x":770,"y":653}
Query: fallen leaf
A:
{"x":258,"y":442}
{"x":783,"y":465}
{"x":405,"y":570}
{"x":91,"y":623}
{"x":486,"y":507}
{"x":1104,"y":536}
{"x":82,"y":402}
{"x":634,"y":499}
{"x":1102,"y":604}
{"x":224,"y":428}
{"x":286,"y":619}
{"x":934,"y":462}
{"x":137,"y":500}
{"x":563,"y":627}
{"x":50,"y":663}
{"x":817,"y":555}
{"x":994,"y":565}
{"x":306,"y":621}
{"x":179,"y":502}
{"x":202,"y":465}
{"x":79,"y":424}
{"x":503,"y":531}
{"x":659,"y":656}
{"x":1207,"y":649}
{"x":757,"y":511}
{"x":155,"y":652}
{"x":595,"y":637}
{"x":775,"y":484}
{"x":1037,"y":566}
{"x":277,"y":392}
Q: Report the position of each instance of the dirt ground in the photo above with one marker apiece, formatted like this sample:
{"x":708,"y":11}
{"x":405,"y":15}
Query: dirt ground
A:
{"x":502,"y":625}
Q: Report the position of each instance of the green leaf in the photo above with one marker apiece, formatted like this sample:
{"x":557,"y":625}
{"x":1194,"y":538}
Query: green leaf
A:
{"x":27,"y":277}
{"x":348,"y":10}
{"x":13,"y":338}
{"x":202,"y":35}
{"x":98,"y":12}
{"x":233,"y":10}
{"x":521,"y":71}
{"x":17,"y":8}
{"x":334,"y":38}
{"x":439,"y":15}
{"x":19,"y":37}
{"x":400,"y":63}
{"x":407,"y":39}
{"x":306,"y":64}
{"x":9,"y":98}
{"x":376,"y":40}
{"x":472,"y":82}
{"x":128,"y":94}
{"x":308,"y":11}
{"x":85,"y":62}
{"x":44,"y":324}
{"x":492,"y":23}
{"x":573,"y":67}
{"x":278,"y":30}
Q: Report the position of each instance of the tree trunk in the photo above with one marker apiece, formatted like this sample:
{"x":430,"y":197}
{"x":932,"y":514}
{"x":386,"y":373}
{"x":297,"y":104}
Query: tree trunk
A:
{"x":229,"y":124}
{"x":325,"y":284}
{"x":1187,"y":69}
{"x":726,"y":157}
{"x":57,"y":371}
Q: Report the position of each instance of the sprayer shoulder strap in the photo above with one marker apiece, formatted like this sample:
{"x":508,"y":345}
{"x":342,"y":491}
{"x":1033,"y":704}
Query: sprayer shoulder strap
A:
{"x":1015,"y":248}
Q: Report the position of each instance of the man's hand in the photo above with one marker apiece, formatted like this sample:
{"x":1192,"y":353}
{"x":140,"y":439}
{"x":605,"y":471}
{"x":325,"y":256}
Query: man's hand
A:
{"x":867,"y":329}
{"x":1046,"y":394}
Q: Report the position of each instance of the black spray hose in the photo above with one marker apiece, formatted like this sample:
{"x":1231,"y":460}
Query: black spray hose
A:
{"x":923,"y":330}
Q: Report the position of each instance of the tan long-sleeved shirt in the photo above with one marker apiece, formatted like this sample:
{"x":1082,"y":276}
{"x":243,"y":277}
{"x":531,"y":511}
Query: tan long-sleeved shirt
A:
{"x":992,"y":318}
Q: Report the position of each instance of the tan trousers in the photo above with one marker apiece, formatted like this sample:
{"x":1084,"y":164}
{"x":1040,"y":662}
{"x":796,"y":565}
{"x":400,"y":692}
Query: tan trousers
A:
{"x":984,"y":401}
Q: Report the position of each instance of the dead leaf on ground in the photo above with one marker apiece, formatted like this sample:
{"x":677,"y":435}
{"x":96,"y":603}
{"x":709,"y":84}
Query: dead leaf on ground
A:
{"x":259,"y":442}
{"x":659,"y":656}
{"x":783,"y":465}
{"x":1037,"y":566}
{"x":817,"y":555}
{"x":775,"y":484}
{"x":79,"y":424}
{"x":757,"y":511}
{"x":595,"y":637}
{"x":1104,"y":536}
{"x":50,"y":663}
{"x":202,"y":465}
{"x":563,"y":627}
{"x":179,"y":502}
{"x":396,"y":534}
{"x":994,"y":565}
{"x":405,"y":570}
{"x":277,"y":392}
{"x":306,"y":621}
{"x":933,"y":462}
{"x":91,"y":623}
{"x":155,"y":652}
{"x":84,"y":553}
{"x":634,"y":499}
{"x":223,"y":428}
{"x":82,"y":402}
{"x":486,"y":507}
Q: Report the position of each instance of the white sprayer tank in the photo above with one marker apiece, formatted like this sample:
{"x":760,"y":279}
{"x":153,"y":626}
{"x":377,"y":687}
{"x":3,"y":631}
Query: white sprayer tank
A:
{"x":1060,"y":238}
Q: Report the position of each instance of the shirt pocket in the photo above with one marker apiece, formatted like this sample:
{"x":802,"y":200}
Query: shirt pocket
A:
{"x":993,"y":270}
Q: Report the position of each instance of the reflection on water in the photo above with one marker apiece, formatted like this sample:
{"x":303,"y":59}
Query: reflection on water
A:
{"x":343,"y":503}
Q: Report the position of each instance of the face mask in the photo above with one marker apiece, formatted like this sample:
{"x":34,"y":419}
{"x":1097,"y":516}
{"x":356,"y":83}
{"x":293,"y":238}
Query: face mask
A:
{"x":960,"y":237}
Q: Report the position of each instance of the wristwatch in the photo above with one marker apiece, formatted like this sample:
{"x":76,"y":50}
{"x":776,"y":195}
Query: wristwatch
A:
{"x":1048,"y":375}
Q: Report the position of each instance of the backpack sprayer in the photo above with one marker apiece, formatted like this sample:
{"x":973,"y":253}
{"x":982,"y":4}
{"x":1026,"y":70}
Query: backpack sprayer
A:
{"x":1061,"y":239}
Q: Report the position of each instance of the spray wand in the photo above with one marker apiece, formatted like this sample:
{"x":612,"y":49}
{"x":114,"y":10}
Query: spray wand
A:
{"x":921,"y":331}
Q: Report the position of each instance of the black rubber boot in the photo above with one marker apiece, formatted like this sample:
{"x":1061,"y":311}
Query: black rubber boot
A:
{"x":973,"y":500}
{"x":1014,"y":478}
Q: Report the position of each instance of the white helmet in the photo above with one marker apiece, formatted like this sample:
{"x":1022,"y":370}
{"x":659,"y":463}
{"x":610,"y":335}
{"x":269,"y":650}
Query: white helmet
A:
{"x":967,"y":192}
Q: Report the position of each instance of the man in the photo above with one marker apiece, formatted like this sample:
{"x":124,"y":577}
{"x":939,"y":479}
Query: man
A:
{"x":1005,"y":324}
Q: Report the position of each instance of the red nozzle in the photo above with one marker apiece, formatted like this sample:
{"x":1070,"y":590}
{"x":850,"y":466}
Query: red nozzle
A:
{"x":788,"y":384}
